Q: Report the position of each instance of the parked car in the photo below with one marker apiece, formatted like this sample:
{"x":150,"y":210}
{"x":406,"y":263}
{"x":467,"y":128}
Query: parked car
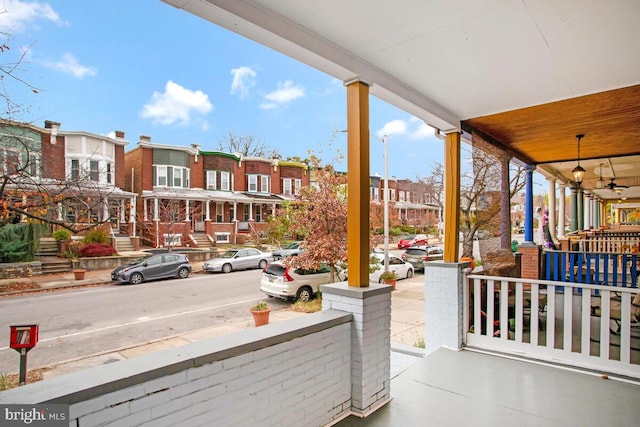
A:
{"x":411,"y":240}
{"x":403,"y":270}
{"x":238,"y":259}
{"x":298,"y":284}
{"x":292,"y":249}
{"x":481,"y":235}
{"x":152,"y":267}
{"x":417,"y":255}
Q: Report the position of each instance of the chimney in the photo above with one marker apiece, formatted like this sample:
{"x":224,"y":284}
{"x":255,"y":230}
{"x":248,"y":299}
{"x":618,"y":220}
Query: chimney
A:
{"x":145,"y":138}
{"x":119,"y":134}
{"x":54,"y":126}
{"x":48,"y":124}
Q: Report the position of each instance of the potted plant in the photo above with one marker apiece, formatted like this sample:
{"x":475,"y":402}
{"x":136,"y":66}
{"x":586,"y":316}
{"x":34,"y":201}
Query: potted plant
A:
{"x":79,"y":273}
{"x":260,"y":313}
{"x":389,"y":278}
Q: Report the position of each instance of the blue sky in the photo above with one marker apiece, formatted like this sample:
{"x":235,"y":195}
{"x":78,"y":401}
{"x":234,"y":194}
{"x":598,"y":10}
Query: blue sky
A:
{"x":146,"y":68}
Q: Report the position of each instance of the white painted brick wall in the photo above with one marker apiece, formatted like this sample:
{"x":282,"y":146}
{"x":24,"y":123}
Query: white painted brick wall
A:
{"x":308,"y":376}
{"x":241,"y":390}
{"x":443,"y":306}
{"x":370,"y":347}
{"x":303,"y":379}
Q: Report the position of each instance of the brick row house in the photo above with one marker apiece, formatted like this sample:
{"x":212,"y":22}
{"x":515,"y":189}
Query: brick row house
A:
{"x":190,"y":197}
{"x":169,"y":195}
{"x":411,"y":203}
{"x":79,"y":172}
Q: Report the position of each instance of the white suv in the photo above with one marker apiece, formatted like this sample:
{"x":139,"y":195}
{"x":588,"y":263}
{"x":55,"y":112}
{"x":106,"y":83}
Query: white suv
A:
{"x":292,"y":283}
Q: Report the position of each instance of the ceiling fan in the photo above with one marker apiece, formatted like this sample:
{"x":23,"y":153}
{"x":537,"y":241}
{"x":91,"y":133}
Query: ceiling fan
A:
{"x":615,"y":187}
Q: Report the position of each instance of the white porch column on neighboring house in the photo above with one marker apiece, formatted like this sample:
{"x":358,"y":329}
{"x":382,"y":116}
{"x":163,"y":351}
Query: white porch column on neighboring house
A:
{"x":132,"y":216}
{"x":187,"y":213}
{"x":207,"y":210}
{"x":444,"y":305}
{"x":59,"y":211}
{"x":371,"y":341}
{"x":561,"y":213}
{"x":235,"y":211}
{"x":156,"y":207}
{"x":145,"y":210}
{"x":105,"y":209}
{"x":250,"y":211}
{"x":587,"y":210}
{"x":122,"y":211}
{"x":552,"y":208}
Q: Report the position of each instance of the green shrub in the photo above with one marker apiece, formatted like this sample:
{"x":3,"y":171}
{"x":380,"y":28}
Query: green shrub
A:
{"x":73,"y":250}
{"x":97,"y":236}
{"x":61,"y":234}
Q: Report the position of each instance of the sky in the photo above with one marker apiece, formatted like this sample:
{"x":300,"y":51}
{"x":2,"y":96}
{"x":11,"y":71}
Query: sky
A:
{"x":146,"y":68}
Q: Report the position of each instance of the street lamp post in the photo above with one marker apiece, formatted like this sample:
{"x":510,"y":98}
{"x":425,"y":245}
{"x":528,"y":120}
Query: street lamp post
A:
{"x":386,"y":206}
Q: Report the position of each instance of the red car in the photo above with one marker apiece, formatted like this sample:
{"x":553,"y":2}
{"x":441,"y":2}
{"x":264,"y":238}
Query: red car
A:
{"x":412,"y":239}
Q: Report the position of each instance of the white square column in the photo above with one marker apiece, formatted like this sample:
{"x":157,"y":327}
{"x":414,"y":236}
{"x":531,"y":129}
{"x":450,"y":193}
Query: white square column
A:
{"x":444,"y":302}
{"x":370,"y":341}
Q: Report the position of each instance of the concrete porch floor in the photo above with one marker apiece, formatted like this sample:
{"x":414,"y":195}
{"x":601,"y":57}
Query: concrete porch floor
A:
{"x":458,"y":388}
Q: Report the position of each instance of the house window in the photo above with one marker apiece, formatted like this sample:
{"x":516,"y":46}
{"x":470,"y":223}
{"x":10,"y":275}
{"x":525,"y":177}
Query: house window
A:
{"x":224,"y":181}
{"x":258,"y":213}
{"x":219,"y":212}
{"x":108,"y":173}
{"x":393,"y":194}
{"x":94,"y":170}
{"x":401,"y":194}
{"x":177,"y":179}
{"x":75,"y":169}
{"x":297,"y":186}
{"x":375,"y":194}
{"x":286,"y":186}
{"x":172,"y":176}
{"x":258,"y":183}
{"x":222,"y":237}
{"x":172,"y":240}
{"x":31,"y":164}
{"x":161,"y":175}
{"x":246,"y":212}
{"x":252,"y":183}
{"x":211,"y":180}
{"x":11,"y":161}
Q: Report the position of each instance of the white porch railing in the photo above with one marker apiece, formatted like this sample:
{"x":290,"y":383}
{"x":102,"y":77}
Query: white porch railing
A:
{"x":596,"y":327}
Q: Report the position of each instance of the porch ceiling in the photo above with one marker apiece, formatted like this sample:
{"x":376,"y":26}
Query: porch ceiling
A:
{"x":529,"y":75}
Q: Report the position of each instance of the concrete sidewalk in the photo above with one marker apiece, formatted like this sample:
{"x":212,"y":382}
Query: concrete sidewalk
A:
{"x":407,"y":323}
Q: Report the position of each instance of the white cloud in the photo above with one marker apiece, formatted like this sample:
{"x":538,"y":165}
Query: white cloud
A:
{"x":17,"y":15}
{"x":176,"y":104}
{"x":244,"y":78}
{"x":334,"y":85}
{"x":69,"y":64}
{"x":414,"y":128}
{"x":285,"y":93}
{"x":394,"y":127}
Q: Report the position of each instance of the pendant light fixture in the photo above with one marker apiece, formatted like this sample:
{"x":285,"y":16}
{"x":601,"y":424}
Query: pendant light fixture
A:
{"x":600,"y":180}
{"x":578,"y":171}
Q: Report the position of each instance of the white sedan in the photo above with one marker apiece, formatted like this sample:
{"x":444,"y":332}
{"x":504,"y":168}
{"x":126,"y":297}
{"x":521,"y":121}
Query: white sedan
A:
{"x":403,"y":270}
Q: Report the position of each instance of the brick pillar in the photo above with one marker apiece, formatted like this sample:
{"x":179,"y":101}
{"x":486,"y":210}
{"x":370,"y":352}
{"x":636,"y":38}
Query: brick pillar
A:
{"x":370,"y":341}
{"x":444,"y":302}
{"x":530,"y":260}
{"x":136,"y":242}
